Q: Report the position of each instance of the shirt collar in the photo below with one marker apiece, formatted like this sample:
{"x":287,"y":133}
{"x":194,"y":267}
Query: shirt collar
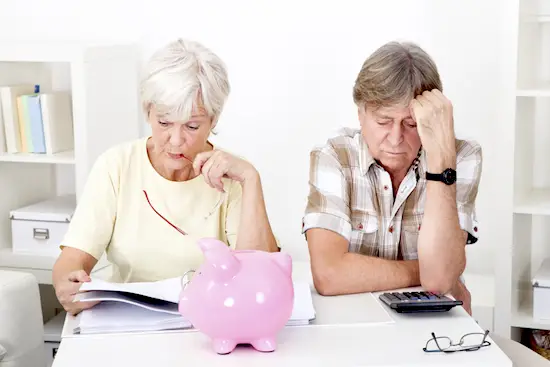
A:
{"x":366,"y":160}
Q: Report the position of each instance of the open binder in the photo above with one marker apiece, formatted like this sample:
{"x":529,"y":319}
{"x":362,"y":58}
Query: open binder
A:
{"x":153,"y":306}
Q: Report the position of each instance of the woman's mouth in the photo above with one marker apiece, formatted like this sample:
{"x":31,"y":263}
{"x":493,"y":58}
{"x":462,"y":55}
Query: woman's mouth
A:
{"x":177,"y":156}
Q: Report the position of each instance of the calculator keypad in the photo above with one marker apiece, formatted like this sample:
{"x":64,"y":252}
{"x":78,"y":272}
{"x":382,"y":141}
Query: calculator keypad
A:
{"x":412,"y":296}
{"x":418,"y":301}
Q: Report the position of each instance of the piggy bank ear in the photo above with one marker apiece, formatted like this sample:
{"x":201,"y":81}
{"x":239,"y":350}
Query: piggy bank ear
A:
{"x":219,"y":258}
{"x":212,"y":244}
{"x":284,"y":261}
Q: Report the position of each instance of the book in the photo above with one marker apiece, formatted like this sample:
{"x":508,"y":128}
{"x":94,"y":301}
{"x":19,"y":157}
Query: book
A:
{"x":57,"y":119}
{"x":10,"y":114}
{"x":153,"y":306}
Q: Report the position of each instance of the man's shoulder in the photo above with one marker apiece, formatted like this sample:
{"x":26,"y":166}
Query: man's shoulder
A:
{"x":468,"y":150}
{"x":344,"y":146}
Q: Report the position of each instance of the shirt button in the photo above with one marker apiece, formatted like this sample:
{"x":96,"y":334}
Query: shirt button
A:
{"x":475,"y":229}
{"x":360,"y":226}
{"x":390,"y":229}
{"x":385,"y":187}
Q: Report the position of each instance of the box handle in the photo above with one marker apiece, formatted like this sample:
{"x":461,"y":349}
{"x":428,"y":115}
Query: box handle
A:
{"x":41,"y":233}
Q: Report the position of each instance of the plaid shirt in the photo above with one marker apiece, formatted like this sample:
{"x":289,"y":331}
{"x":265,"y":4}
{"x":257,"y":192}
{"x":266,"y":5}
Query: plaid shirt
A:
{"x":352,"y":195}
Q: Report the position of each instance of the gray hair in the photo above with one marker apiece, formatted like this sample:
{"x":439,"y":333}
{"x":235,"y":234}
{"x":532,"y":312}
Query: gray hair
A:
{"x":182,"y":77}
{"x":395,"y":74}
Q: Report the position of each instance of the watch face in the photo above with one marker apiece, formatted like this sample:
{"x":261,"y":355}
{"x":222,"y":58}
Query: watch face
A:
{"x":449,"y":176}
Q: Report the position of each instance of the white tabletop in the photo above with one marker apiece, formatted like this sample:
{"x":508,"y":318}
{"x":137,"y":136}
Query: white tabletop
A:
{"x":339,"y":335}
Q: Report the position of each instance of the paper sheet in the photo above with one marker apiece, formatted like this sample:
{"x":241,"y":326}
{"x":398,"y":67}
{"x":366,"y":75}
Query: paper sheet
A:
{"x":166,"y":290}
{"x":344,"y":310}
{"x":110,"y":316}
{"x":148,"y":303}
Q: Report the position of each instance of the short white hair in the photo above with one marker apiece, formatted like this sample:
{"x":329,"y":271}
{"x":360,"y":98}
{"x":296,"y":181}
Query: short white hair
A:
{"x":181,"y":74}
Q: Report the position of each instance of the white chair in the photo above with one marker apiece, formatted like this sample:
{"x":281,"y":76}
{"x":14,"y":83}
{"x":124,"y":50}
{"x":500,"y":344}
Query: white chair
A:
{"x":21,"y":323}
{"x":519,"y":354}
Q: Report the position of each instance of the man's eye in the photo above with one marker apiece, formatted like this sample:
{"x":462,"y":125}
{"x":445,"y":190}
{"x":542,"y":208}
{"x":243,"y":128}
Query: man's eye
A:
{"x":192,"y":127}
{"x":410,"y":123}
{"x":164,"y":123}
{"x":383,"y":122}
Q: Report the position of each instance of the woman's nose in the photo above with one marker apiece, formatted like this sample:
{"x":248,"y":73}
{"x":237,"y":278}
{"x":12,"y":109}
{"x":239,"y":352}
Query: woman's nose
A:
{"x":176,"y":136}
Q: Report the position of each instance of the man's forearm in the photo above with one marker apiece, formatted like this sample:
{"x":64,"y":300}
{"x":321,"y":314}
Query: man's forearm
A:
{"x":441,"y":241}
{"x":356,"y":273}
{"x":254,"y":228}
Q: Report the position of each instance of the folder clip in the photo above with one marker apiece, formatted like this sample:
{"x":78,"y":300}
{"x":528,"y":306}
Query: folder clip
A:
{"x":185,"y":279}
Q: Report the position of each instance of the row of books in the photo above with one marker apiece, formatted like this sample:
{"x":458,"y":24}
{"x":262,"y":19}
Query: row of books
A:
{"x":35,"y":122}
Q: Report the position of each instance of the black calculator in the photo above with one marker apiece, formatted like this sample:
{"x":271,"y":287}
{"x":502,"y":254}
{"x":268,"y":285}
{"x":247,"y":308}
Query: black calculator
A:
{"x":408,"y":302}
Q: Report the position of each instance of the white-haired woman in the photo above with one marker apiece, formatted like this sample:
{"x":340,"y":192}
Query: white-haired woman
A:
{"x":147,"y":202}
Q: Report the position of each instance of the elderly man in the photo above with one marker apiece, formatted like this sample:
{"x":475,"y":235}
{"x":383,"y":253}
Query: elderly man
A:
{"x":392,"y":205}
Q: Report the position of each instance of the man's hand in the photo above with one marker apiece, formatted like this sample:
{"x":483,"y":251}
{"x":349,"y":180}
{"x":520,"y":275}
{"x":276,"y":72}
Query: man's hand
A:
{"x":461,"y":293}
{"x":433,"y":114}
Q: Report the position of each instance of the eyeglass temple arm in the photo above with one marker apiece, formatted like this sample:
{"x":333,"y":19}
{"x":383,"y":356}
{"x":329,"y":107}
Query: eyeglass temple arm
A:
{"x":160,"y":215}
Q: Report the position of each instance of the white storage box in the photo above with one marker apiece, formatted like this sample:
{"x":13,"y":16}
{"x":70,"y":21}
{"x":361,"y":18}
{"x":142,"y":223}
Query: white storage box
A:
{"x":541,"y":292}
{"x":39,"y":228}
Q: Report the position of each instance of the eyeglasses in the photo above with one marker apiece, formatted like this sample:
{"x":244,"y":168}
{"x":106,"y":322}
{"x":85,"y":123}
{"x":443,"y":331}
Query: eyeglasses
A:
{"x":220,"y":201}
{"x":468,"y":342}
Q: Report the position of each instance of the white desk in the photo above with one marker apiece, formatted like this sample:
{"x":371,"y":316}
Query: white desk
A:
{"x":334,"y":338}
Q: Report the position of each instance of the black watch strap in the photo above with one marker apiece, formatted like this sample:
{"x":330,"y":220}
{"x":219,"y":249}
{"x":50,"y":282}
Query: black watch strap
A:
{"x":448,"y":176}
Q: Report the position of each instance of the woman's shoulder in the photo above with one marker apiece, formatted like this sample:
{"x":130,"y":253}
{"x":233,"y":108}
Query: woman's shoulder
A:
{"x":121,"y":155}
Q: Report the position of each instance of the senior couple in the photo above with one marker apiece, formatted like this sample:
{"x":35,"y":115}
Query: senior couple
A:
{"x":391,"y":204}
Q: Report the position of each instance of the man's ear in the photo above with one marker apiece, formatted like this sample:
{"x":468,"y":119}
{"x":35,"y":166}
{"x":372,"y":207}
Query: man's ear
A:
{"x":3,"y":352}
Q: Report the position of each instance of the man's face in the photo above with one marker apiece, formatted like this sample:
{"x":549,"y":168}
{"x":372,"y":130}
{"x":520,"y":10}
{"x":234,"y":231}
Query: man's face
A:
{"x":391,"y":135}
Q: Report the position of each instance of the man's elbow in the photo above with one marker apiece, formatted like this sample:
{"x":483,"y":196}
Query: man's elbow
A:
{"x":437,"y":285}
{"x":441,"y":282}
{"x":439,"y":278}
{"x":324,"y":281}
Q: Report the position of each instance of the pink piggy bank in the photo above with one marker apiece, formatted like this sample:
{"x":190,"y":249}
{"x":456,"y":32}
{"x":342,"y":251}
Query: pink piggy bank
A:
{"x":239,"y":297}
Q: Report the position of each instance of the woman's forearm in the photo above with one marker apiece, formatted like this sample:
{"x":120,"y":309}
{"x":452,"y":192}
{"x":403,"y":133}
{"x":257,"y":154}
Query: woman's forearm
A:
{"x":254,"y":228}
{"x":70,"y":260}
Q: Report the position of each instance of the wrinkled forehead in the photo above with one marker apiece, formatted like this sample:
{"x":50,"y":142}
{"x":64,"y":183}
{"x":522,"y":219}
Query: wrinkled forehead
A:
{"x":395,"y":112}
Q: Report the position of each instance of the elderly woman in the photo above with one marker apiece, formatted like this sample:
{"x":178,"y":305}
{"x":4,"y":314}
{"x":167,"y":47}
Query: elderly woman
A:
{"x":147,"y":202}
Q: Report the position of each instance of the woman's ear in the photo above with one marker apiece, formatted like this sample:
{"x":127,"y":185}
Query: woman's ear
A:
{"x":213,"y":126}
{"x":150,"y":112}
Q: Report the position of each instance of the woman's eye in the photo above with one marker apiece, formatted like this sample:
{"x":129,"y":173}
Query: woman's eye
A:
{"x":411,"y":124}
{"x":383,"y":122}
{"x":192,"y":127}
{"x":164,"y":123}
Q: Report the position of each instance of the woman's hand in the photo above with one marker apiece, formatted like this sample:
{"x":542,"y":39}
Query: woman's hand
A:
{"x":215,"y":164}
{"x":67,"y":287}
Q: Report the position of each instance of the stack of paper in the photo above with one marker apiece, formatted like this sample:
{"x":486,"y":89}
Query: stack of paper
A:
{"x":113,"y":317}
{"x":153,"y":306}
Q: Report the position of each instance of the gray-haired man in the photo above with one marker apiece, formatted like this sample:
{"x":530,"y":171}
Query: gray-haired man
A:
{"x":392,"y":205}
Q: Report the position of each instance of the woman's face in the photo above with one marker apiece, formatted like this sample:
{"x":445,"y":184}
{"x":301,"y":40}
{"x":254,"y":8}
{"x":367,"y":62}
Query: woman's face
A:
{"x":176,"y":143}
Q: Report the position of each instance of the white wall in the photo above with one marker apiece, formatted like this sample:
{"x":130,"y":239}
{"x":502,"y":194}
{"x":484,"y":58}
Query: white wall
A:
{"x":292,"y":69}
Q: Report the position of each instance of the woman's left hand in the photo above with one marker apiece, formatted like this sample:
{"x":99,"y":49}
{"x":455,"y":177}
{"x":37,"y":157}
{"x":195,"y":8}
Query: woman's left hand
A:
{"x":215,"y":164}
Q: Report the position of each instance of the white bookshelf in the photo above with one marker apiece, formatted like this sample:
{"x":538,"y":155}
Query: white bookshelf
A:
{"x":519,"y":258}
{"x":102,"y":80}
{"x":66,"y":157}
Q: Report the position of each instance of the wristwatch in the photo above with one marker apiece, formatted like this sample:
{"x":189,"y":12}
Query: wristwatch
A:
{"x":448,"y":177}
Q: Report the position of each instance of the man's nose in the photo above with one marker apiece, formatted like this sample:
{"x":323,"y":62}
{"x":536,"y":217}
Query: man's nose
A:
{"x":395,"y":137}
